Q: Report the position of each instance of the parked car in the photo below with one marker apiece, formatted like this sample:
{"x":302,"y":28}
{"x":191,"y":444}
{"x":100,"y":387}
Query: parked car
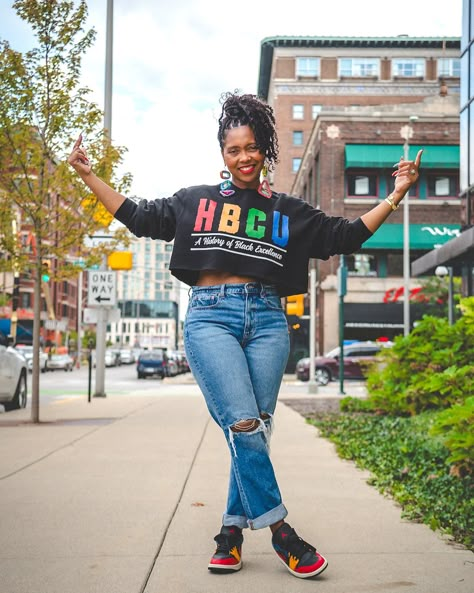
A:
{"x":171,"y":367}
{"x":13,"y":371}
{"x":60,"y":362}
{"x":27,"y":352}
{"x":152,"y":362}
{"x":112,"y":358}
{"x":127,"y":356}
{"x":357,"y":357}
{"x":180,"y":359}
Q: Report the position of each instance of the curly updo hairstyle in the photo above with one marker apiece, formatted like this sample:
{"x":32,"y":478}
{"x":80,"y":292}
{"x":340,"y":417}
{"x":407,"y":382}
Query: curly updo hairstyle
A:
{"x":249,"y":110}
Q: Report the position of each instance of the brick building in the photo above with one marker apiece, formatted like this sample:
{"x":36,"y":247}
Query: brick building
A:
{"x":346,"y":169}
{"x":344,"y":108}
{"x":301,"y":75}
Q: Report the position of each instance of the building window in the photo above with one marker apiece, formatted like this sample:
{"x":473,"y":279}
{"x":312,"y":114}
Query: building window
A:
{"x":315,"y":109}
{"x":395,"y":264}
{"x":361,"y":264}
{"x":408,"y":67}
{"x":25,"y":300}
{"x":297,"y":138}
{"x":307,"y":66}
{"x":298,"y":111}
{"x":440,"y":186}
{"x":359,"y":67}
{"x":449,"y":67}
{"x":296,"y":165}
{"x":361,"y":184}
{"x":169,"y":247}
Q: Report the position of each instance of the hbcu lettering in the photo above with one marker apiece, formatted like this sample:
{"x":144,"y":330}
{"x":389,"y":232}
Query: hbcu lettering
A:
{"x":252,"y":230}
{"x":229,"y":222}
{"x":230,"y":219}
{"x":203,"y":214}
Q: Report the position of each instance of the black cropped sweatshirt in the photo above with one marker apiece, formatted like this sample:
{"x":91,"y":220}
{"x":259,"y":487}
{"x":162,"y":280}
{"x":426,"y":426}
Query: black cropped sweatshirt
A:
{"x":244,"y":234}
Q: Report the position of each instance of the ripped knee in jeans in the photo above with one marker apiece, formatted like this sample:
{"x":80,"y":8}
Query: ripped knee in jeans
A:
{"x":245,"y":425}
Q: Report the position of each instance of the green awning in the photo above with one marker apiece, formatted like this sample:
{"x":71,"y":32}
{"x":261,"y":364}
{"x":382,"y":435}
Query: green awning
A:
{"x":386,"y":155}
{"x":422,"y":236}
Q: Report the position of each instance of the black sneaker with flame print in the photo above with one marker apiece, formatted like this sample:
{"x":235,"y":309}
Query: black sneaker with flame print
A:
{"x":299,"y":557}
{"x":228,"y":554}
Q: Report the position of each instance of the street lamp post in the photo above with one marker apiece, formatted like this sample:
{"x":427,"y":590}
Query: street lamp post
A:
{"x":408,"y":133}
{"x":442,"y":272}
{"x":312,"y":385}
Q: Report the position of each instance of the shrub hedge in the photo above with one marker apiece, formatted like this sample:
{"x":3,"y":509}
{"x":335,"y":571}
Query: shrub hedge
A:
{"x":410,"y":464}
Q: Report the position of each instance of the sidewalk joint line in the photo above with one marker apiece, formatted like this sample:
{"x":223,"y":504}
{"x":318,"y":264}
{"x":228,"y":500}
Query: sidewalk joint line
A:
{"x":168,"y":525}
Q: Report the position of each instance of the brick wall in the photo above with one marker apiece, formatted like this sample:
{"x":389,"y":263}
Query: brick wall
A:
{"x":284,"y":177}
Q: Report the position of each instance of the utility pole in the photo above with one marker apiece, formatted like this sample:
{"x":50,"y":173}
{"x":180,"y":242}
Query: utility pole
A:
{"x":102,"y":311}
{"x":109,"y":47}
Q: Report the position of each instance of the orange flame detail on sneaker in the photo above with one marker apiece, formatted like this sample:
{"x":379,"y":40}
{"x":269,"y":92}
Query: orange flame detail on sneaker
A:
{"x":235,"y":553}
{"x":292,"y":562}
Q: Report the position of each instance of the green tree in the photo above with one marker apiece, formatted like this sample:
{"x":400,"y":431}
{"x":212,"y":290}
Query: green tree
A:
{"x":42,"y":110}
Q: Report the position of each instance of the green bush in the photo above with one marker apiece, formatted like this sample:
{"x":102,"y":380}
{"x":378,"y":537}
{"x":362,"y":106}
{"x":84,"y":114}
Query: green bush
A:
{"x":456,"y":427}
{"x":409,"y":463}
{"x":430,"y":368}
{"x":356,"y":404}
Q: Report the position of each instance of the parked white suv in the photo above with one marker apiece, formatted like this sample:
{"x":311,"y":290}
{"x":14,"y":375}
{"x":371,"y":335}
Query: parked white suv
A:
{"x":13,"y":372}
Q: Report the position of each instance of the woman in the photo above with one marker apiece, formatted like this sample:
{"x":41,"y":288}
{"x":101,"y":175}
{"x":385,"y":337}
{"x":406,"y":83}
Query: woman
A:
{"x":241,"y":247}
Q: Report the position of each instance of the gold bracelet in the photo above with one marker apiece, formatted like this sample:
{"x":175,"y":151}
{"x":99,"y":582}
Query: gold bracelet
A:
{"x":391,"y":203}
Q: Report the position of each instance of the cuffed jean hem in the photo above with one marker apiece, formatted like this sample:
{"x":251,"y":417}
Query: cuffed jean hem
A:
{"x":236,"y":520}
{"x":265,"y":520}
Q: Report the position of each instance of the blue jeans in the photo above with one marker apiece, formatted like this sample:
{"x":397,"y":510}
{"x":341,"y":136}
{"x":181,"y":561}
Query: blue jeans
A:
{"x":237,"y":344}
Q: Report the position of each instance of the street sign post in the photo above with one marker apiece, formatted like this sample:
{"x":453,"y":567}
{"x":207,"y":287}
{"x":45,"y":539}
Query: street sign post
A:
{"x":102,"y":289}
{"x":101,"y":294}
{"x":91,"y":315}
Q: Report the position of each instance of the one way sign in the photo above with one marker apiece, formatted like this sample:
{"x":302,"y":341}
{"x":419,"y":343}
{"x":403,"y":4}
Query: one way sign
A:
{"x":102,"y":288}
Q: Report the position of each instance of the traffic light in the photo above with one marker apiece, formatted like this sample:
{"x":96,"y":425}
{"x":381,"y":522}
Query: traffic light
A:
{"x":45,"y":270}
{"x":295,"y":305}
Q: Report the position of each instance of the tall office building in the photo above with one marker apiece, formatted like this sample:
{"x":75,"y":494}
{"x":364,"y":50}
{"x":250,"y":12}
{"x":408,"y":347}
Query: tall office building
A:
{"x":148,"y":297}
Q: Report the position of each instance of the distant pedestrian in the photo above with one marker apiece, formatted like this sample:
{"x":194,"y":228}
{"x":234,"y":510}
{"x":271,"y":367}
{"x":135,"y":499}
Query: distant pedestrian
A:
{"x":241,"y":247}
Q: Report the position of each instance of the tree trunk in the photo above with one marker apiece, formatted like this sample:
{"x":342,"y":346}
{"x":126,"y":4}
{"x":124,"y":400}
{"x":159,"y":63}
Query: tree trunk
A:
{"x":35,"y":393}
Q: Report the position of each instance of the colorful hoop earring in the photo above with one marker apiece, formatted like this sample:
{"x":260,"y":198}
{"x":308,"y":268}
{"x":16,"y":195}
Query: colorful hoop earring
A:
{"x":225,"y":188}
{"x":264,"y":187}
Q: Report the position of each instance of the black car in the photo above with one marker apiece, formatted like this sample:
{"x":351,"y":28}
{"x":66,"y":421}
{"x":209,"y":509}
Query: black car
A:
{"x":152,"y":362}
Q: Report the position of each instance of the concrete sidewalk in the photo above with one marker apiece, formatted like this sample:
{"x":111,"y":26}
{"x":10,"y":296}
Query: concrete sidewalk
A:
{"x":126,"y":494}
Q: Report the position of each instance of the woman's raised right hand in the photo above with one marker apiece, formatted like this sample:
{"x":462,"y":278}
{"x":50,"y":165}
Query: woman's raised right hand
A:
{"x":78,"y":159}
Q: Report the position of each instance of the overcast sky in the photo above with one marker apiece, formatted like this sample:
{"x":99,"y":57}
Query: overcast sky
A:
{"x":173,"y":59}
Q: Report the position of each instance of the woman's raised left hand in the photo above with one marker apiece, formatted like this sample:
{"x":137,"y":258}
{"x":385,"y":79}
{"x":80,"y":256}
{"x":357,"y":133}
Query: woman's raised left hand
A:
{"x":407,"y":174}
